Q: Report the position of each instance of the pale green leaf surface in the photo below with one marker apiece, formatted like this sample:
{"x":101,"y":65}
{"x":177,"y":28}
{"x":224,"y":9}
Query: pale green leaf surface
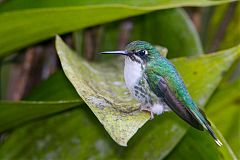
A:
{"x":98,"y":87}
{"x":102,"y":87}
{"x":26,"y":22}
{"x":224,"y":107}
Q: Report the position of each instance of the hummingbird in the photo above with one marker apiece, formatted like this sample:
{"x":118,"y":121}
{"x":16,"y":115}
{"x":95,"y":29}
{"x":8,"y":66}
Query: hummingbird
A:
{"x":155,"y":82}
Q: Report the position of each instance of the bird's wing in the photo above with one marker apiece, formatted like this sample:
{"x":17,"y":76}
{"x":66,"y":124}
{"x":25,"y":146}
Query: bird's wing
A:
{"x":171,"y":88}
{"x":163,"y":90}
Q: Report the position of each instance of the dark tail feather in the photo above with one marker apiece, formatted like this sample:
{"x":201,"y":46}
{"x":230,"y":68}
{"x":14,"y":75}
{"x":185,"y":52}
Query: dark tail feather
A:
{"x":207,"y":125}
{"x":193,"y":115}
{"x":204,"y":115}
{"x":217,"y":141}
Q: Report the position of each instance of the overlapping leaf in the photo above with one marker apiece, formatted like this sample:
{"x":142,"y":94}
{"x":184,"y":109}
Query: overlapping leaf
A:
{"x":15,"y":113}
{"x":45,"y":100}
{"x":26,"y":22}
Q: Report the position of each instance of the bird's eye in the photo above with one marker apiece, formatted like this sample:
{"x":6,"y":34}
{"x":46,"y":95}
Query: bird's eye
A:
{"x":142,"y":52}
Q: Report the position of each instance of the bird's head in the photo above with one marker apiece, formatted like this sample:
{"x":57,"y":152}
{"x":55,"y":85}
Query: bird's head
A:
{"x":138,"y":51}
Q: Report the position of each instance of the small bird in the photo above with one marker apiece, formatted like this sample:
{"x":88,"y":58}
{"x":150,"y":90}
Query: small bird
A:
{"x":156,"y":84}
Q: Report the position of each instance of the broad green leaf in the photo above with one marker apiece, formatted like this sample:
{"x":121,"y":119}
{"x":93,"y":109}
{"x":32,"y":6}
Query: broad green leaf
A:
{"x":199,"y":146}
{"x":102,"y":88}
{"x":98,"y":84}
{"x":76,"y":135}
{"x":15,"y":113}
{"x":162,"y":4}
{"x":54,"y":95}
{"x":26,"y":22}
{"x":224,"y":107}
{"x":172,"y":29}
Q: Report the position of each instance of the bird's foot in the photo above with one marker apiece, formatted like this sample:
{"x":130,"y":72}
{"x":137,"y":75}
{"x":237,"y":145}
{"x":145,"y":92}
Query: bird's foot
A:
{"x":148,"y":109}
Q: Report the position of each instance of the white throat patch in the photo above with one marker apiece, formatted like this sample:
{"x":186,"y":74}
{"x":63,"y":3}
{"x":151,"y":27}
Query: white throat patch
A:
{"x":132,"y":72}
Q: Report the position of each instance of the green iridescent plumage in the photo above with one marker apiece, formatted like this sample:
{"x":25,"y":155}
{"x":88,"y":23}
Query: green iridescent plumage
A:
{"x":146,"y":69}
{"x":162,"y":68}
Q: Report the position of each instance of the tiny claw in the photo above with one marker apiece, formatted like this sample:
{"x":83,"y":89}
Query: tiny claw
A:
{"x":148,"y":110}
{"x":152,"y":116}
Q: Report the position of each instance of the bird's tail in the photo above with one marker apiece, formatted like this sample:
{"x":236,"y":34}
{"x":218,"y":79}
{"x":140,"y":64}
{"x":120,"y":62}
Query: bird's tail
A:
{"x":217,"y":141}
{"x":201,"y":117}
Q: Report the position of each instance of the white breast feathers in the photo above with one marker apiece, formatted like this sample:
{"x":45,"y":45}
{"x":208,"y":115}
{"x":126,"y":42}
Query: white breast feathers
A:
{"x":132,"y":73}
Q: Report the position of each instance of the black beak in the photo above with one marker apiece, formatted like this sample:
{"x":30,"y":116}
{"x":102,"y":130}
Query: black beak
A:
{"x":116,"y":52}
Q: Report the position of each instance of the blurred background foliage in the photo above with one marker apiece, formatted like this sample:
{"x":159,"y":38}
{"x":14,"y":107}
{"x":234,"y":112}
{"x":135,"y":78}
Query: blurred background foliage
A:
{"x":43,"y":117}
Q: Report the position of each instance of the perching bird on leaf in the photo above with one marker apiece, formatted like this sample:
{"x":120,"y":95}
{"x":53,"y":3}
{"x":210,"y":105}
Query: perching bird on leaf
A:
{"x":156,"y":84}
